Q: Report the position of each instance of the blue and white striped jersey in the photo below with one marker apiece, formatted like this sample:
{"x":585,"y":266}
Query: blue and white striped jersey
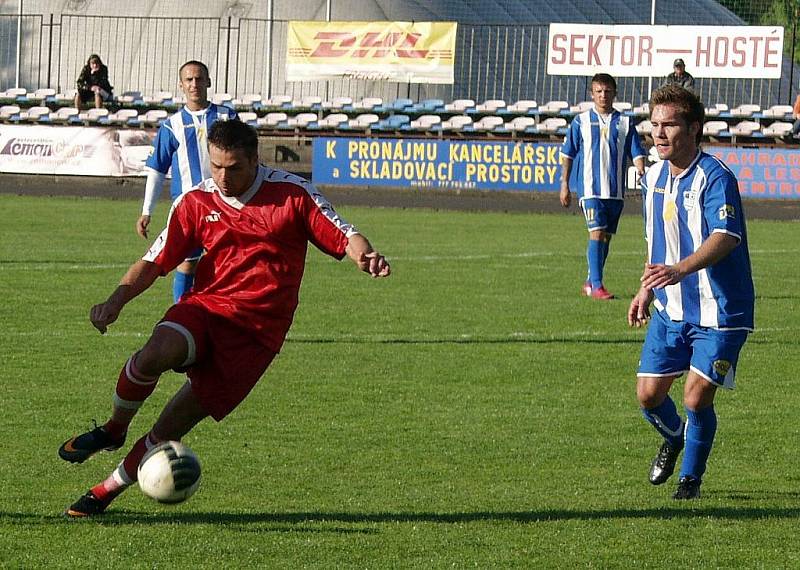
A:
{"x":181,"y":145}
{"x":599,"y":147}
{"x":680,"y":213}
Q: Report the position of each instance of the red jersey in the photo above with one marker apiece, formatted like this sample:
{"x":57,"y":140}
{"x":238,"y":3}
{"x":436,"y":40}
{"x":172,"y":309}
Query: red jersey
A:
{"x":255,"y":248}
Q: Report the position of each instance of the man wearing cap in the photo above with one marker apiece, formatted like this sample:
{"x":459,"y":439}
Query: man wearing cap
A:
{"x":680,"y":76}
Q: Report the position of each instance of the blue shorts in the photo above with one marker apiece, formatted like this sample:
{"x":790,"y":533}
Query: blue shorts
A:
{"x":674,"y":347}
{"x":602,"y":214}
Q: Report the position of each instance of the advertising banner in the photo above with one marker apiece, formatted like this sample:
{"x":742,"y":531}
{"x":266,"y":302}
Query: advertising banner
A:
{"x":437,"y":164}
{"x":84,"y":151}
{"x":407,"y":52}
{"x":649,"y":51}
{"x":763,"y":172}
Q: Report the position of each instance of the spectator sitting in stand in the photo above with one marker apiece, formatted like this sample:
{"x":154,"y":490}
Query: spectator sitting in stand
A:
{"x":93,"y":83}
{"x":680,"y":76}
{"x":796,"y":117}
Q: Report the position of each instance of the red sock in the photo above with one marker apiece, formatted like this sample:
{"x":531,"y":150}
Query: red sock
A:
{"x":132,"y":390}
{"x":131,"y":462}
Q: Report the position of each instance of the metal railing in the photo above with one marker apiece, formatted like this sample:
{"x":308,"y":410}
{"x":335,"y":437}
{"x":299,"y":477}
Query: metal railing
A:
{"x":248,"y":56}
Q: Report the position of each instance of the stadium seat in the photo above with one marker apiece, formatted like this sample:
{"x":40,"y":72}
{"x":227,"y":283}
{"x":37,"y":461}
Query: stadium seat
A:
{"x":301,"y":120}
{"x":401,"y":104}
{"x":716,"y":110}
{"x":778,"y":112}
{"x":42,"y":95}
{"x":222,"y":99}
{"x":14,"y":94}
{"x":394,"y":123}
{"x":522,"y":106}
{"x":158,"y":98}
{"x":520,"y":124}
{"x":644,"y":127}
{"x":9,"y":112}
{"x":369,"y":103}
{"x":642,"y":110}
{"x":65,"y":99}
{"x":94,"y":116}
{"x":581,"y":107}
{"x":778,"y":129}
{"x":153,"y":117}
{"x":130,"y":98}
{"x":622,"y":106}
{"x":456,"y":123}
{"x":338,"y":103}
{"x":552,"y":125}
{"x":249,"y":117}
{"x":554,"y":107}
{"x":460,"y":106}
{"x":65,"y":115}
{"x":308,"y":102}
{"x":488,"y":123}
{"x":746,"y":110}
{"x":271,"y":120}
{"x":490,"y":106}
{"x":37,"y":114}
{"x":711,"y":128}
{"x":429,"y":106}
{"x":363,"y":121}
{"x":248,"y":102}
{"x":122,"y":116}
{"x":279,"y":101}
{"x":332,"y":121}
{"x":745,"y":129}
{"x":425,"y":122}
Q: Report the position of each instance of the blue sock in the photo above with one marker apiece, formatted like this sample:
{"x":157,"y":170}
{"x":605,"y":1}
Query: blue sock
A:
{"x":605,"y":245}
{"x":701,"y":425}
{"x":181,"y":284}
{"x":666,"y":420}
{"x":594,"y":255}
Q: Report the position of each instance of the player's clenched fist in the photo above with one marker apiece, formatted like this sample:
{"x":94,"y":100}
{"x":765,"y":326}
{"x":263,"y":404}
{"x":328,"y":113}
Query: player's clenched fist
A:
{"x":375,"y":264}
{"x":103,"y":315}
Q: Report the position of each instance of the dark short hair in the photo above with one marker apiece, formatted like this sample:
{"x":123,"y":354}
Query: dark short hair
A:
{"x":193,"y":62}
{"x":234,"y":135}
{"x":94,"y":57}
{"x":605,"y":79}
{"x":688,"y":105}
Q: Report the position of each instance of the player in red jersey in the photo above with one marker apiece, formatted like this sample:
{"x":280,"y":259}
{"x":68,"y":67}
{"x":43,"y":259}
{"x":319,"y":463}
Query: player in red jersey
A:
{"x":255,"y":224}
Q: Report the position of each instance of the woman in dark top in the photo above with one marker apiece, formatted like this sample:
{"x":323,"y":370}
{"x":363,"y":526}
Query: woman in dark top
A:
{"x":93,"y":83}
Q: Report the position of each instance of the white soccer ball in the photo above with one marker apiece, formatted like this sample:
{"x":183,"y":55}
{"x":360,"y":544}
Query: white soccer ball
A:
{"x":169,"y":472}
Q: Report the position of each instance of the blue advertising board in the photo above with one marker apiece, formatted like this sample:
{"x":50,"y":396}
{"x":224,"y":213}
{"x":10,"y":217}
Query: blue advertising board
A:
{"x":437,"y":164}
{"x":763,"y":172}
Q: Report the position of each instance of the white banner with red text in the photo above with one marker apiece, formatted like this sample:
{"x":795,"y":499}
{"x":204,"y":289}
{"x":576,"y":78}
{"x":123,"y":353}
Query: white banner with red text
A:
{"x":407,"y":52}
{"x":649,"y":51}
{"x":82,"y":151}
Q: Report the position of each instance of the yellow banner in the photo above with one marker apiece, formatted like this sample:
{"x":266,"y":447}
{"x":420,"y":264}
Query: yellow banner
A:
{"x":407,"y":52}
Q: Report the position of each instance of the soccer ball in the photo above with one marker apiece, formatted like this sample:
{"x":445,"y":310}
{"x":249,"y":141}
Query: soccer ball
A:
{"x":169,"y":472}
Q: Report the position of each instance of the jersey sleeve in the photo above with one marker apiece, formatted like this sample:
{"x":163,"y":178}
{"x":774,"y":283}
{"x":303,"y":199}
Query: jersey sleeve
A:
{"x":722,"y":207}
{"x":326,"y":229}
{"x":177,"y":240}
{"x":164,"y":147}
{"x":634,"y":145}
{"x":572,"y":142}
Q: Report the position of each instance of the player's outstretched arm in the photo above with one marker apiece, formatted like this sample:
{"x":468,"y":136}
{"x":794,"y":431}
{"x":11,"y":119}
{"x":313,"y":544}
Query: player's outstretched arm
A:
{"x":366,"y":258}
{"x":137,"y":279}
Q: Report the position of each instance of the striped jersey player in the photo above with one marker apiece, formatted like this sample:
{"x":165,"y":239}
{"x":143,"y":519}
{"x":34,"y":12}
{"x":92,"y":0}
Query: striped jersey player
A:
{"x":180,"y":147}
{"x":599,"y":141}
{"x":698,"y":277}
{"x":255,"y":224}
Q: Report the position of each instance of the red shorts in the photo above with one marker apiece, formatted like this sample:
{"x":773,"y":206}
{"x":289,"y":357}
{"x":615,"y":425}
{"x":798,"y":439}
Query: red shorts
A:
{"x":224,"y":362}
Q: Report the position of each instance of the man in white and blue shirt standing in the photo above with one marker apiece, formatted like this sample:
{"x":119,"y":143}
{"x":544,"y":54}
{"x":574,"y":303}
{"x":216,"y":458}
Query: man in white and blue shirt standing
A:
{"x":181,"y":146}
{"x":698,"y":278}
{"x":599,"y":141}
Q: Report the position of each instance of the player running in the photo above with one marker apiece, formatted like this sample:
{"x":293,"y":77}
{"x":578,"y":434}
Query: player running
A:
{"x":181,"y":145}
{"x":254,"y":223}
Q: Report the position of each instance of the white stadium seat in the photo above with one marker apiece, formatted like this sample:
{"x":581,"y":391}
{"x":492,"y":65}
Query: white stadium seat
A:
{"x":42,"y":94}
{"x":519,"y":124}
{"x":37,"y":113}
{"x":745,"y":128}
{"x":460,"y":105}
{"x":364,"y":121}
{"x":490,"y":106}
{"x":333,"y":120}
{"x":623,"y":106}
{"x":714,"y":127}
{"x":368,"y":103}
{"x":746,"y":110}
{"x":777,"y":129}
{"x":488,"y":123}
{"x":272,"y":119}
{"x":425,"y":122}
{"x":337,"y":103}
{"x":94,"y":115}
{"x":64,"y":114}
{"x":302,"y":120}
{"x":522,"y":106}
{"x":779,"y":112}
{"x":221,"y":98}
{"x":249,"y":117}
{"x":456,"y":123}
{"x":644,"y":127}
{"x":554,"y":107}
{"x":122,"y":116}
{"x":278,"y":100}
{"x":552,"y":124}
{"x":581,"y":107}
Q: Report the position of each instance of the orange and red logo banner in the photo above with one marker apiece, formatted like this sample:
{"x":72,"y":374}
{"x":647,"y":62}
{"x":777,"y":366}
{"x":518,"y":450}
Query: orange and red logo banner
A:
{"x":407,"y":52}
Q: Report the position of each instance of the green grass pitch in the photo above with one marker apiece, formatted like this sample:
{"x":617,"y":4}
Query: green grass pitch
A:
{"x":471,"y":411}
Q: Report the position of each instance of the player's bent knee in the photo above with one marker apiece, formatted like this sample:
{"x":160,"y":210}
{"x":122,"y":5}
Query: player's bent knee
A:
{"x":166,"y":349}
